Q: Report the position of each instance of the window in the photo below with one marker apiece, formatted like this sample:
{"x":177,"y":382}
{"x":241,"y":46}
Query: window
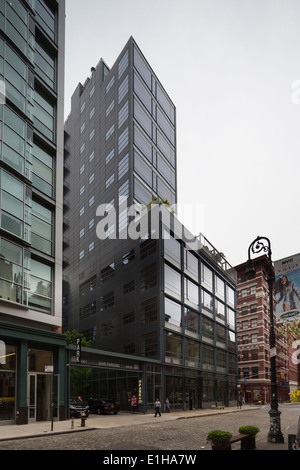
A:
{"x":148,"y":277}
{"x":191,"y":263}
{"x":123,"y":89}
{"x":172,"y":312}
{"x":110,"y":84}
{"x":207,"y":302}
{"x":122,"y":66}
{"x":110,"y":156}
{"x":173,"y":346}
{"x":206,"y":276}
{"x":92,"y":113}
{"x":91,"y":178}
{"x":191,"y":320}
{"x":148,"y":311}
{"x":244,"y":293}
{"x":107,"y":273}
{"x":91,"y":246}
{"x":110,"y":108}
{"x":129,"y":287}
{"x":92,"y":133}
{"x":123,"y":115}
{"x":172,"y":247}
{"x":92,"y":91}
{"x":40,"y":287}
{"x":128,"y":257}
{"x":81,"y":254}
{"x":107,"y":300}
{"x":82,"y":148}
{"x":123,"y":166}
{"x":109,"y":181}
{"x":252,"y":290}
{"x":41,"y":228}
{"x":172,"y":280}
{"x":191,"y":292}
{"x":123,"y":140}
{"x":110,"y":132}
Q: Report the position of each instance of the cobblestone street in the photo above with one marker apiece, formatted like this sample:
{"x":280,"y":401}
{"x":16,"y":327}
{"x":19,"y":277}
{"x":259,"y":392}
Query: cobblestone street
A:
{"x":180,"y":434}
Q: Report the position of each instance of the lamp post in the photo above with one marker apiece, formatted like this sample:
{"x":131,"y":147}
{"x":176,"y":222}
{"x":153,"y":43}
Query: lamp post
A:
{"x":262,"y":244}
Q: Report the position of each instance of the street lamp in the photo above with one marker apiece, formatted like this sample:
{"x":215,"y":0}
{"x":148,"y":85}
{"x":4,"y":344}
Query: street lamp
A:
{"x":262,"y":244}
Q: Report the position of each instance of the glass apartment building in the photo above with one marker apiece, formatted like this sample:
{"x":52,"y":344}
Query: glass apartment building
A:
{"x":160,"y":313}
{"x":32,"y":347}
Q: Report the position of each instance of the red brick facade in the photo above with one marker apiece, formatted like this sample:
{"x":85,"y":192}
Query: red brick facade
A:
{"x":253,"y":340}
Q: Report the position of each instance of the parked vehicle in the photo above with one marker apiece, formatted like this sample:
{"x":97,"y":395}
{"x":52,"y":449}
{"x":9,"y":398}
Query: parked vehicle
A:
{"x":105,"y":407}
{"x":78,"y":408}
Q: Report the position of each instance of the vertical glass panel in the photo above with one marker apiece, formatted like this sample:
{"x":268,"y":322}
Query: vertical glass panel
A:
{"x":172,"y":312}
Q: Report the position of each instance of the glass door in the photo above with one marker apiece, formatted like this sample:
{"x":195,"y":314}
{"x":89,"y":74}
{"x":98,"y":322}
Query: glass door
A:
{"x":39,"y":397}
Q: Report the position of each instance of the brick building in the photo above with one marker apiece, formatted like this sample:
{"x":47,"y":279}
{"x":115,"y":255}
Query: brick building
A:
{"x":253,"y":324}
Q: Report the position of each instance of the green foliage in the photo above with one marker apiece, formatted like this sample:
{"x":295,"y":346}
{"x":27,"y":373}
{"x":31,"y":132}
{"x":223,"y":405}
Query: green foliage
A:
{"x":252,"y":430}
{"x":72,"y":335}
{"x":218,"y":438}
{"x":79,"y":376}
{"x":291,"y":330}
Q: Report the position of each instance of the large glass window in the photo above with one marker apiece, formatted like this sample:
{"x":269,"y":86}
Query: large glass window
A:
{"x":42,"y":170}
{"x":191,"y":292}
{"x":44,"y":114}
{"x":12,"y":276}
{"x":207,"y":330}
{"x":207,"y":303}
{"x":206,"y":276}
{"x":41,"y":230}
{"x":172,"y":281}
{"x":172,"y":247}
{"x":173,"y":347}
{"x":40,"y":285}
{"x":7,"y":381}
{"x":191,"y":320}
{"x":172,"y":312}
{"x":192,"y":351}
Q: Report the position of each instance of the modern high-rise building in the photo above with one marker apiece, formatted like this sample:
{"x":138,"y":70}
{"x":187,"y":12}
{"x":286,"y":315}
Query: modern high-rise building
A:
{"x":157,"y":304}
{"x":32,"y":346}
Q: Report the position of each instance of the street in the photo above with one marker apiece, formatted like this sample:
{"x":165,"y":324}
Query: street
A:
{"x":185,"y":434}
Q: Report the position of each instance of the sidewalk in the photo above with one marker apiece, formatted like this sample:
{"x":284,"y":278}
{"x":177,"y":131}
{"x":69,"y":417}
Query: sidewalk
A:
{"x":43,"y":428}
{"x":38,"y":429}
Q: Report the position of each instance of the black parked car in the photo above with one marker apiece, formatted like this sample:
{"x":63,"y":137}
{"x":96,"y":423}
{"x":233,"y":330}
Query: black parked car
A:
{"x":78,"y":408}
{"x":105,"y":406}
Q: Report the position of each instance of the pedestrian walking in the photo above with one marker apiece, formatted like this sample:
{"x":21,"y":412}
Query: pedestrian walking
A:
{"x":167,"y":405}
{"x":157,"y":407}
{"x":239,"y":403}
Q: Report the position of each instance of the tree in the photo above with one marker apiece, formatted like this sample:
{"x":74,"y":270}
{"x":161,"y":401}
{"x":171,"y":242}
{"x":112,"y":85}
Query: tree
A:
{"x":79,"y":376}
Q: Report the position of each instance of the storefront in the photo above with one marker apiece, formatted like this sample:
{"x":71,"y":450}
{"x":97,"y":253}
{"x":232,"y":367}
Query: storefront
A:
{"x":118,"y":377}
{"x":32,"y":375}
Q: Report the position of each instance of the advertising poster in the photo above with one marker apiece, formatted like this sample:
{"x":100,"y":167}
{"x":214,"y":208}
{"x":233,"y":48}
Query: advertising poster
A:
{"x":287,"y":288}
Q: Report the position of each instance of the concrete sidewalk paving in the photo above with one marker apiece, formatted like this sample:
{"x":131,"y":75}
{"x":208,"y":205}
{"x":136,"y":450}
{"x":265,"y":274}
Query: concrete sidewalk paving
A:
{"x":45,"y":428}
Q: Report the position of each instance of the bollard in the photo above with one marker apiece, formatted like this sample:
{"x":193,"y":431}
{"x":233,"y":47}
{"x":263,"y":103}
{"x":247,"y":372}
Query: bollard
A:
{"x":72,"y":423}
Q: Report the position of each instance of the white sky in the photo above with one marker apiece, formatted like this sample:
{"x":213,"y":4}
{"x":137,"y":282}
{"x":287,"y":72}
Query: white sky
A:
{"x":229,"y":67}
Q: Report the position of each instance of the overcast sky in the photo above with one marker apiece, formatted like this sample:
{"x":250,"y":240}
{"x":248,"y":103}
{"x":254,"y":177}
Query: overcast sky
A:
{"x":232,"y":69}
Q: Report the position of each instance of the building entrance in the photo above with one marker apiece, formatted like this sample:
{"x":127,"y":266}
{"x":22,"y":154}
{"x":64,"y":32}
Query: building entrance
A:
{"x":39,"y":399}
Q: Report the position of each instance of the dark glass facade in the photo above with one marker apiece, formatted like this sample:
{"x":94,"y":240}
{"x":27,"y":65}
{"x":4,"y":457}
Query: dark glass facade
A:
{"x":153,"y":303}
